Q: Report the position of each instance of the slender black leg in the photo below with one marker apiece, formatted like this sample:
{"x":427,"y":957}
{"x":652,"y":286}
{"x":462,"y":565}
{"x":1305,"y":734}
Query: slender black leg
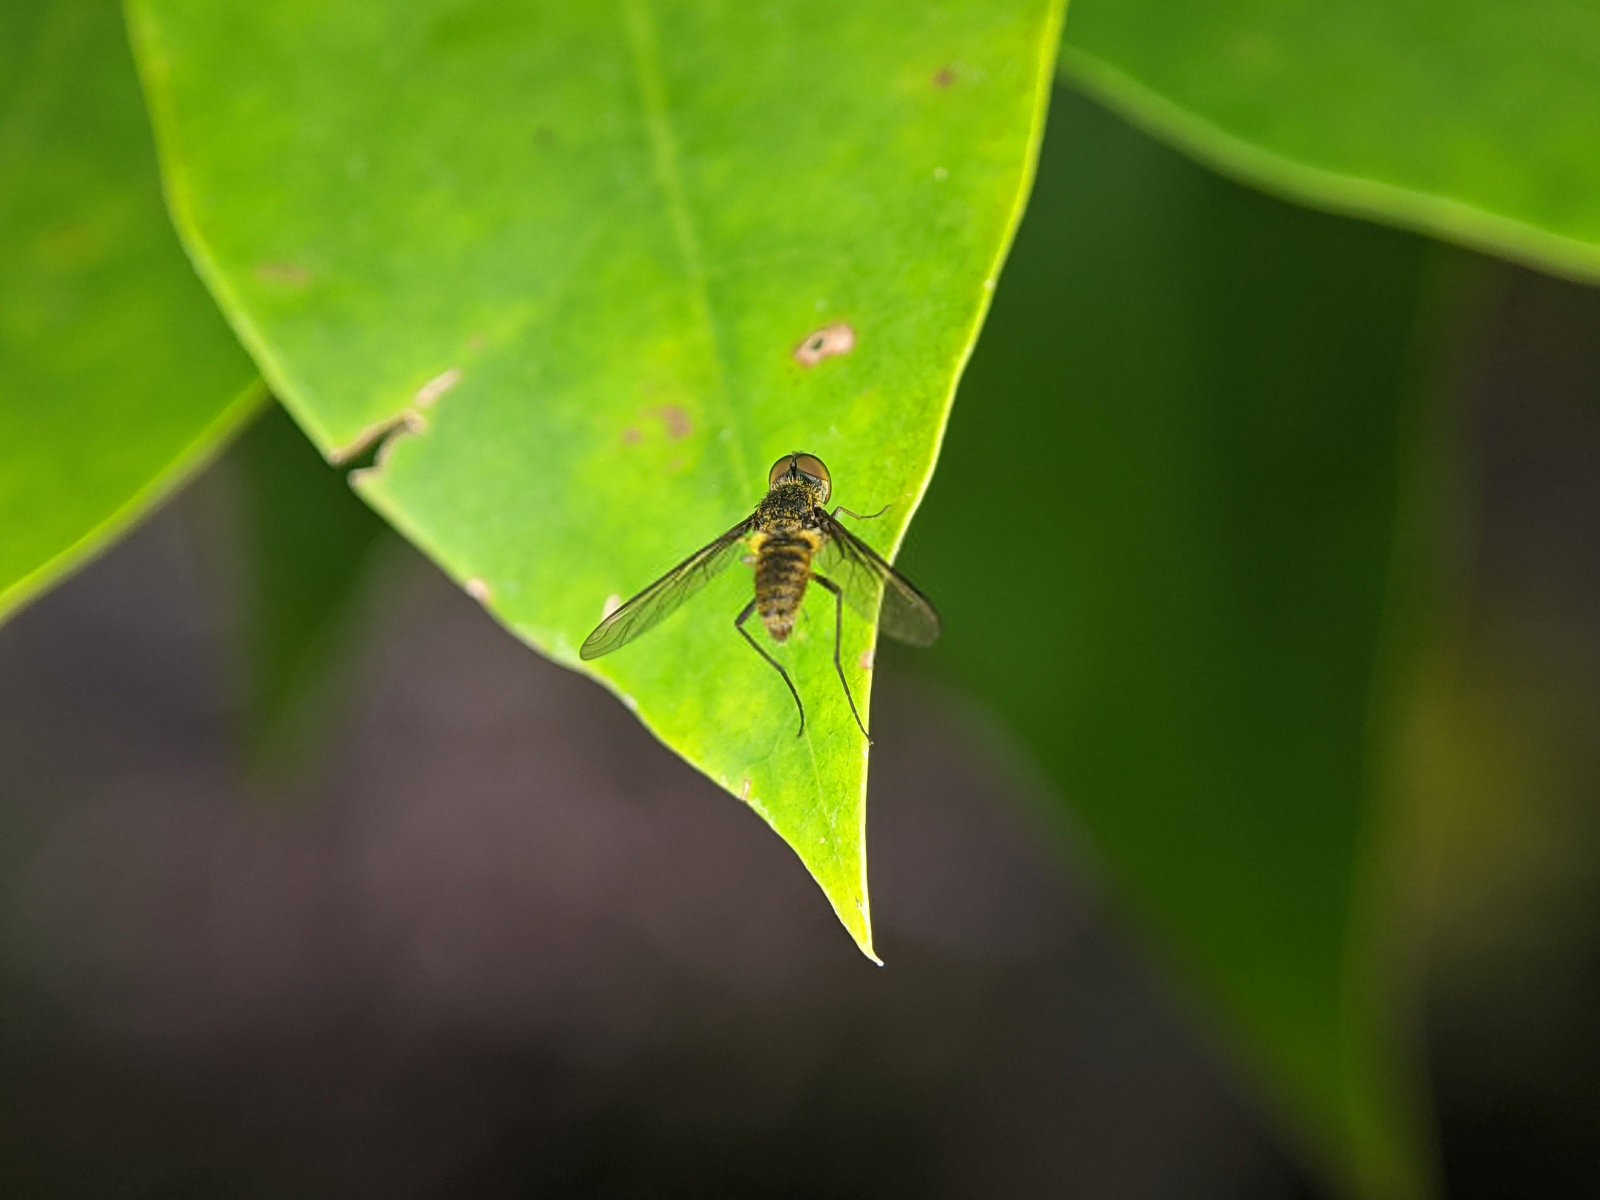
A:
{"x":838,"y":622}
{"x":859,"y":516}
{"x":738,"y":623}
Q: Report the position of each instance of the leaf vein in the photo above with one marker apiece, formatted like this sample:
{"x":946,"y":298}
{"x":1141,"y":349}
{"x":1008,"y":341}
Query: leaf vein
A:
{"x":665,"y":154}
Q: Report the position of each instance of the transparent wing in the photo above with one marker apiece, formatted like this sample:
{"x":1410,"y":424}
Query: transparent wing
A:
{"x":658,"y":600}
{"x":905,"y":614}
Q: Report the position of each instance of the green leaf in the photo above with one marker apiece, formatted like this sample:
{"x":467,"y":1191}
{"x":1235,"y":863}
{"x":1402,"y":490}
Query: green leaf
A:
{"x":117,"y":376}
{"x":572,"y":252}
{"x":1165,"y":533}
{"x":1476,"y":121}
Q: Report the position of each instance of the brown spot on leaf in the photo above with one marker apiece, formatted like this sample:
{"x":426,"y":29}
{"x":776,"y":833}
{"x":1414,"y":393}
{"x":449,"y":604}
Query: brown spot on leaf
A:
{"x":676,"y":420}
{"x":283,"y":274}
{"x":827,"y":342}
{"x":478,"y":589}
{"x":944,"y":77}
{"x":631,"y":436}
{"x":866,"y":660}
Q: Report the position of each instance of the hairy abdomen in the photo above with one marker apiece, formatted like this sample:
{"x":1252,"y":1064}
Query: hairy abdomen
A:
{"x":783,"y":568}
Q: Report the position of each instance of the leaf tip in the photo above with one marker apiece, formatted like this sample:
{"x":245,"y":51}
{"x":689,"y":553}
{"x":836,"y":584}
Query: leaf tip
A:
{"x":862,"y":932}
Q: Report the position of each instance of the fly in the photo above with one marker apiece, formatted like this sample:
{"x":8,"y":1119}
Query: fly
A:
{"x":790,"y":535}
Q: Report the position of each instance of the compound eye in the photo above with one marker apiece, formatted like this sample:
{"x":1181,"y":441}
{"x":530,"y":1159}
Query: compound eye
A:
{"x":779,"y":470}
{"x":814,"y":469}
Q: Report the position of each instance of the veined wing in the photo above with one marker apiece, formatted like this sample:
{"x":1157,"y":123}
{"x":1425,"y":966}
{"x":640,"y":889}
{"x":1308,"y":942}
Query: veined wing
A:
{"x":662,"y":597}
{"x":905,"y":613}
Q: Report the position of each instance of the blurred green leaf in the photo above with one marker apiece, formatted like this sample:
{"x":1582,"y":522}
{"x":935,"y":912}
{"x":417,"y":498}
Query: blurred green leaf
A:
{"x":1476,"y":121}
{"x":308,"y":545}
{"x":1163,"y":533}
{"x":573,"y":251}
{"x":117,"y":375}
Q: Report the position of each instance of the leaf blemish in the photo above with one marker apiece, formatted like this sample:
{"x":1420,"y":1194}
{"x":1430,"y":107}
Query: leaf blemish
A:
{"x":438,"y":386}
{"x":631,"y":436}
{"x":827,"y":342}
{"x":478,"y":589}
{"x":944,"y":77}
{"x":744,"y":791}
{"x":676,"y":420}
{"x":283,"y":274}
{"x":410,"y":420}
{"x":866,"y":660}
{"x":385,"y":434}
{"x":613,"y":602}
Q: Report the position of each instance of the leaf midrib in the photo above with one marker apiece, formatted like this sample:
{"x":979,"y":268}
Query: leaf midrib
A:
{"x":665,"y":155}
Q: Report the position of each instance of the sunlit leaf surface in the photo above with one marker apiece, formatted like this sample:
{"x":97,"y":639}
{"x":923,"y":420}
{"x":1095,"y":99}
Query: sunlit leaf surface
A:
{"x":578,"y":254}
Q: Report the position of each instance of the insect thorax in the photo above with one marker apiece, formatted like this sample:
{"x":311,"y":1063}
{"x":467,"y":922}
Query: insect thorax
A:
{"x":787,"y":507}
{"x":786,"y":539}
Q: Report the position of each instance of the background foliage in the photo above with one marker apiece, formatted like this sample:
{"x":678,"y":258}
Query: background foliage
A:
{"x":1470,"y":121}
{"x":102,"y":318}
{"x":1190,"y":512}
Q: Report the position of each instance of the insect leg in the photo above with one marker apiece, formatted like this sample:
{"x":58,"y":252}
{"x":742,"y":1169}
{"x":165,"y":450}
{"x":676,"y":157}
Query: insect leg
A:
{"x":838,"y":623}
{"x":738,"y":623}
{"x":839,"y":508}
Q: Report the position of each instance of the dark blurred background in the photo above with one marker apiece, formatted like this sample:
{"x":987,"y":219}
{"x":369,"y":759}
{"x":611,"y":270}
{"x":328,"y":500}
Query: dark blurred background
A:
{"x":500,"y":937}
{"x":420,"y":912}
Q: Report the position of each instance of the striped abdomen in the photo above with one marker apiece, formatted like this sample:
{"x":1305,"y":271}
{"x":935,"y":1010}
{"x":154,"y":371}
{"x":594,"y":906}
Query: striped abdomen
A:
{"x":783,"y":568}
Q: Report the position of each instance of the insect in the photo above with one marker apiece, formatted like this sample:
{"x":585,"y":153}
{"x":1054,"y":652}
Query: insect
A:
{"x":790,"y":535}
